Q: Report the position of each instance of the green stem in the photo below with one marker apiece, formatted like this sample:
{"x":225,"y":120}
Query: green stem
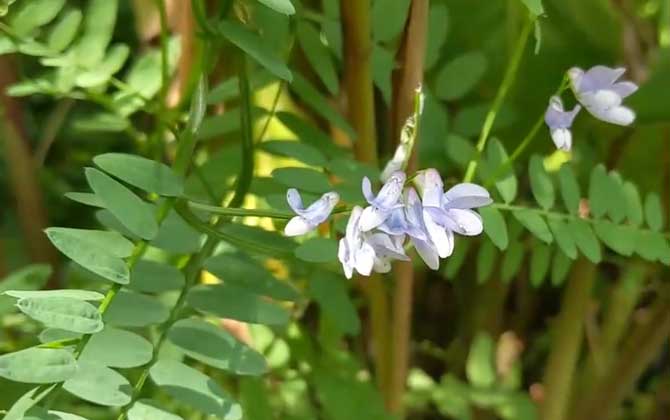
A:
{"x":508,"y":81}
{"x":567,"y":337}
{"x":232,"y":212}
{"x":165,"y":69}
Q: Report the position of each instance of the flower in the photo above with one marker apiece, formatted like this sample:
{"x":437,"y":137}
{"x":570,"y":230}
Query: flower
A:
{"x":600,"y":93}
{"x":311,"y":217}
{"x":559,"y":122}
{"x":353,"y":252}
{"x":384,"y":203}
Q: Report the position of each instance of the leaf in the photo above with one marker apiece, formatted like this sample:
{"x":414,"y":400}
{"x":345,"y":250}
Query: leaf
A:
{"x":438,"y":27}
{"x":31,"y":277}
{"x":149,"y":410}
{"x":485,"y":260}
{"x":103,"y":71}
{"x":317,"y":250}
{"x":534,"y":6}
{"x":617,"y":198}
{"x":330,"y":292}
{"x":88,"y":199}
{"x":29,"y":15}
{"x":99,"y":22}
{"x":535,"y":223}
{"x":38,"y":413}
{"x":543,"y":189}
{"x":317,"y":55}
{"x":64,"y":30}
{"x":128,"y":208}
{"x":506,"y":182}
{"x":154,"y":277}
{"x":559,"y":268}
{"x":258,"y":240}
{"x":64,"y":293}
{"x":539,"y":264}
{"x":26,"y":402}
{"x":388,"y":18}
{"x":194,"y":388}
{"x":495,"y":226}
{"x":309,"y":134}
{"x":227,"y":301}
{"x":55,"y":334}
{"x":653,"y":212}
{"x":252,"y":44}
{"x":320,"y":105}
{"x":38,"y":366}
{"x":113,"y":347}
{"x":569,"y":189}
{"x":244,"y":272}
{"x":633,"y":204}
{"x":129,"y":309}
{"x":563,"y":237}
{"x":585,"y":240}
{"x":297,"y":150}
{"x":303,"y":179}
{"x":97,"y":251}
{"x":62,"y":312}
{"x":147,"y":174}
{"x":511,"y":263}
{"x":599,"y":191}
{"x":177,"y":236}
{"x":281,"y":6}
{"x":99,"y":384}
{"x":479,"y":366}
{"x":621,"y":239}
{"x":460,"y":76}
{"x":383,"y":63}
{"x":215,"y":347}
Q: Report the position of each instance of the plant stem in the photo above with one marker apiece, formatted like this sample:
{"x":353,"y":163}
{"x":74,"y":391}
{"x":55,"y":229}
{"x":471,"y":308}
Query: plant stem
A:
{"x":567,"y":337}
{"x":232,"y":212}
{"x":508,"y":81}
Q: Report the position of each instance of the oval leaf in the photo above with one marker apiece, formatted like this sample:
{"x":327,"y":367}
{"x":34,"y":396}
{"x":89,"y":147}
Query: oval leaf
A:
{"x":61,"y":312}
{"x":317,"y":250}
{"x":99,"y":384}
{"x":117,"y":348}
{"x":129,"y":309}
{"x":495,"y":226}
{"x":65,"y":293}
{"x":38,"y":366}
{"x":535,"y":223}
{"x":540,"y":183}
{"x":155,"y":277}
{"x":460,"y":75}
{"x":149,"y":175}
{"x":149,"y":410}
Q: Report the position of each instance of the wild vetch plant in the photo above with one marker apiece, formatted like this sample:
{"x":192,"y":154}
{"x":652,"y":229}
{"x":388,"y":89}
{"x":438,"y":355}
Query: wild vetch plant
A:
{"x":335,"y":229}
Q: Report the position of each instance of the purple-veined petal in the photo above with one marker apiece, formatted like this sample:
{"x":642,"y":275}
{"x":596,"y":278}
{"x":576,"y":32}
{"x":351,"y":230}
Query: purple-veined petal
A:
{"x":294,"y":200}
{"x":298,"y":226}
{"x":467,"y":196}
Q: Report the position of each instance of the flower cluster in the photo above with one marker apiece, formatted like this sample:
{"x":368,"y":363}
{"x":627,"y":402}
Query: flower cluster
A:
{"x":599,"y":91}
{"x":397,"y":215}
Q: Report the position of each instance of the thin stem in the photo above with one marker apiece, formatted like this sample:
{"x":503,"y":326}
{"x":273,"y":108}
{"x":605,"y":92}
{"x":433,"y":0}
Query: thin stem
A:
{"x":52,"y":127}
{"x":232,"y":211}
{"x":567,"y":337}
{"x":165,"y":69}
{"x":508,"y":81}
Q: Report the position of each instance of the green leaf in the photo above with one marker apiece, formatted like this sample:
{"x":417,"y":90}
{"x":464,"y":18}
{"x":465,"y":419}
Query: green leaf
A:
{"x":479,"y":366}
{"x":258,"y":240}
{"x":154,"y":277}
{"x":599,"y":191}
{"x":633,"y":204}
{"x":128,"y":208}
{"x":485,"y":260}
{"x":303,"y":179}
{"x":559,"y":269}
{"x":563,"y":237}
{"x":617,"y":198}
{"x":227,"y":301}
{"x":388,"y":19}
{"x":460,"y":76}
{"x":540,"y":183}
{"x":653,"y":212}
{"x":149,"y":410}
{"x":38,"y":413}
{"x":317,"y":250}
{"x":65,"y":293}
{"x":495,"y":226}
{"x":38,"y":366}
{"x":438,"y":26}
{"x":383,"y":63}
{"x":281,"y":6}
{"x":215,"y":347}
{"x":147,"y":174}
{"x":318,"y":56}
{"x":88,"y":199}
{"x":177,"y":236}
{"x":459,"y":149}
{"x":534,"y":222}
{"x":320,"y":105}
{"x":129,"y":309}
{"x":113,"y":347}
{"x":99,"y":22}
{"x":619,"y":238}
{"x":64,"y":30}
{"x":242,"y":271}
{"x":506,"y":182}
{"x":512,"y":260}
{"x":539,"y":264}
{"x":535,"y":7}
{"x":585,"y":240}
{"x":309,"y":134}
{"x":97,"y":251}
{"x":297,"y":150}
{"x":258,"y":49}
{"x":62,"y":312}
{"x":29,"y":15}
{"x":31,"y":277}
{"x":99,"y":384}
{"x":330,"y":292}
{"x":26,"y":402}
{"x":103,"y":71}
{"x":569,"y":189}
{"x":195,"y":389}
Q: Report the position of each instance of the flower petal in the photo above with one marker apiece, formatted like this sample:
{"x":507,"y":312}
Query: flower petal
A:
{"x":319,"y":211}
{"x":366,"y":187}
{"x":465,"y":222}
{"x":625,"y":89}
{"x":298,"y":226}
{"x":294,"y":200}
{"x":391,"y":191}
{"x":619,"y":115}
{"x":433,"y":188}
{"x":600,"y":77}
{"x":466,"y":196}
{"x":562,"y":138}
{"x":365,"y":259}
{"x":441,"y":237}
{"x":427,"y":252}
{"x":372,"y":217}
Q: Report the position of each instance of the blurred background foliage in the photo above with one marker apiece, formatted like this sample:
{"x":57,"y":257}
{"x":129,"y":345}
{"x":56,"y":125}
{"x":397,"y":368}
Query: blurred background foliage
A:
{"x":81,"y":78}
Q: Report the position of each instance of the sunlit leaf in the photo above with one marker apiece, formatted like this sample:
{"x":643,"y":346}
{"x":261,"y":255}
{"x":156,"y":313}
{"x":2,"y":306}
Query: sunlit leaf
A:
{"x":563,"y":237}
{"x":599,"y":192}
{"x":117,"y":348}
{"x":305,"y":179}
{"x":64,"y":30}
{"x":38,"y":366}
{"x":317,"y":250}
{"x":149,"y":410}
{"x":621,"y":239}
{"x":633,"y":204}
{"x":281,"y":6}
{"x":65,"y":293}
{"x":26,"y":16}
{"x":99,"y":384}
{"x":62,"y":312}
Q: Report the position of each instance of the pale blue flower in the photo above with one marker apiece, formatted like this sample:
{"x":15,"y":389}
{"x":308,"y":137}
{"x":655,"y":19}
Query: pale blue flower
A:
{"x":354,"y":253}
{"x":382,"y":205}
{"x":559,"y":122}
{"x":418,"y":233}
{"x":386,"y":248}
{"x":309,"y":218}
{"x":600,"y":93}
